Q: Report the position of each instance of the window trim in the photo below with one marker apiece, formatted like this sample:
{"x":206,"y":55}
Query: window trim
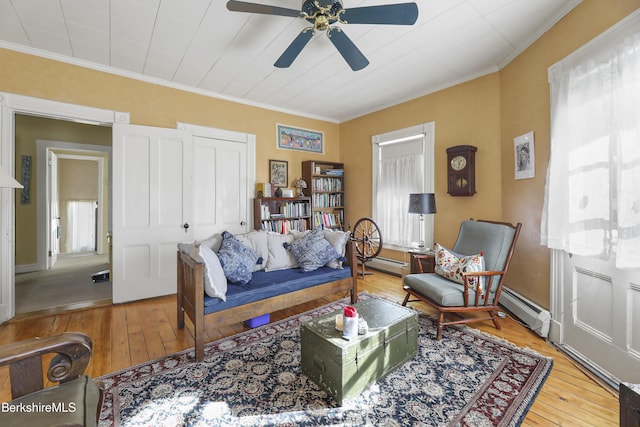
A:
{"x":426,"y":131}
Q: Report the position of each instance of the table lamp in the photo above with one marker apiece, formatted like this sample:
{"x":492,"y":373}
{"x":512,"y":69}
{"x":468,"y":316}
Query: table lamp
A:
{"x":301,"y":184}
{"x":422,"y":203}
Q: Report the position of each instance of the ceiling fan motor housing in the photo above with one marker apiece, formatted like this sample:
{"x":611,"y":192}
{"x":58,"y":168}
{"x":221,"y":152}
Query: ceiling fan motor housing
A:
{"x":322,"y":13}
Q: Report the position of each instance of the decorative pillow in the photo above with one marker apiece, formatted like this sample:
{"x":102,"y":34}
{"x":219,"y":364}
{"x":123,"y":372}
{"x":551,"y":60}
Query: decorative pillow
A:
{"x":451,"y":265}
{"x":256,"y":241}
{"x":279,"y":257}
{"x":213,"y":242}
{"x":338,"y":240}
{"x":313,"y":251}
{"x":237,"y":260}
{"x":215,"y":282}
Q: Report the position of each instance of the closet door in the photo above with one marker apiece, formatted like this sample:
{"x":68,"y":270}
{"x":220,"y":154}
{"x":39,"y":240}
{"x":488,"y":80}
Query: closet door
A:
{"x":220,"y":196}
{"x":150,"y":185}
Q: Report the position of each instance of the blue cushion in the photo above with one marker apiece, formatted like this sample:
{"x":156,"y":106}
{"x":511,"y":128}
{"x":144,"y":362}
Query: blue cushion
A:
{"x":313,"y":251}
{"x":237,"y":260}
{"x":265,"y":284}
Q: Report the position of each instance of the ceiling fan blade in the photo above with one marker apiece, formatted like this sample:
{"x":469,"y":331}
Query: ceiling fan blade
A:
{"x":393,"y":14}
{"x":243,"y":6}
{"x":294,"y":49}
{"x":347,"y":49}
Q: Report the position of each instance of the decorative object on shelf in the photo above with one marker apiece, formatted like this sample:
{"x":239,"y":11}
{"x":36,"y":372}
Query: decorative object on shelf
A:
{"x":278,"y":192}
{"x":279,"y":172}
{"x":291,"y":138}
{"x":422,"y":204}
{"x":461,"y":170}
{"x":525,"y":159}
{"x":301,"y":184}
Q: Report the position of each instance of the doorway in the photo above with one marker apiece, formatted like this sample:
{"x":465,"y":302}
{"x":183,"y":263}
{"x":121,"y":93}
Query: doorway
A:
{"x":70,"y":215}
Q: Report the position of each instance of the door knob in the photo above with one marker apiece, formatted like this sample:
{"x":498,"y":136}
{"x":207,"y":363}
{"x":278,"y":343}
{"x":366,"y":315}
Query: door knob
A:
{"x":242,"y":223}
{"x":185,"y":226}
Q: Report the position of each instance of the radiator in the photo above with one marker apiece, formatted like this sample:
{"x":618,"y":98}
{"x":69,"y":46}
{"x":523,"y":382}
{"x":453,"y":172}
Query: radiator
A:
{"x":537,"y":318}
{"x":387,"y":265}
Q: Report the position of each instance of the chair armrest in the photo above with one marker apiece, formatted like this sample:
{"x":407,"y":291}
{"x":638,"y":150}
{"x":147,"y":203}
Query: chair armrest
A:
{"x":73,"y":352}
{"x":479,"y":274}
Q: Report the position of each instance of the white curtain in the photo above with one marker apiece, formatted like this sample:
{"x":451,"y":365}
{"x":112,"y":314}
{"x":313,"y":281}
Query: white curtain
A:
{"x":398,"y":176}
{"x":81,"y":226}
{"x":592,"y":195}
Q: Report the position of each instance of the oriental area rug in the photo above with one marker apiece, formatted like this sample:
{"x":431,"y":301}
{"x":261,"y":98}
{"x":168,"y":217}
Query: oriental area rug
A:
{"x":254,"y":379}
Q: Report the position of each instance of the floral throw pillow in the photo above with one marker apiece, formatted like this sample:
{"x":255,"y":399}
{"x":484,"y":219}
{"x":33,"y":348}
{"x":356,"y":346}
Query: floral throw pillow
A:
{"x":313,"y":251}
{"x":451,"y":265}
{"x":237,"y":260}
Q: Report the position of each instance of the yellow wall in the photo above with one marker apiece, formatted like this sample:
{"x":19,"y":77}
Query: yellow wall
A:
{"x":465,"y":114}
{"x":154,"y":105}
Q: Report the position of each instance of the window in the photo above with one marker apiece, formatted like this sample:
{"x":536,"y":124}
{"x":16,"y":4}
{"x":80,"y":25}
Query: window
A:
{"x":592,"y":200}
{"x":402,"y":164}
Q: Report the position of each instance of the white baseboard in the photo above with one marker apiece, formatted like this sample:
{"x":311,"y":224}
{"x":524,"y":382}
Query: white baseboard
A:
{"x":537,"y":318}
{"x":26,"y":268}
{"x":387,"y":265}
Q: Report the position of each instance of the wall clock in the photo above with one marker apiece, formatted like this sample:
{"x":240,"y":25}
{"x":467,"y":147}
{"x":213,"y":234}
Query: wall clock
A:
{"x":461,"y":170}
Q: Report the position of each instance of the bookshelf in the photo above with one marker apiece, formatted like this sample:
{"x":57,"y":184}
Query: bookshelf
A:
{"x":282,"y":214}
{"x":325,"y":181}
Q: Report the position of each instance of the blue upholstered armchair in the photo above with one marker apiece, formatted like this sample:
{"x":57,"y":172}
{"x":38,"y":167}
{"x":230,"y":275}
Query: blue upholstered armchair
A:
{"x":458,"y":286}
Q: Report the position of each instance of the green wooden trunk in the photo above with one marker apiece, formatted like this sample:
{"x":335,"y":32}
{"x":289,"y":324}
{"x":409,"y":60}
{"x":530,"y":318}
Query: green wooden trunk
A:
{"x":346,"y":368}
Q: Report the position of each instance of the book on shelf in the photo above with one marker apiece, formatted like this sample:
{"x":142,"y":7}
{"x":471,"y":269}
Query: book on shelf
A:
{"x":336,"y":172}
{"x":264,"y":189}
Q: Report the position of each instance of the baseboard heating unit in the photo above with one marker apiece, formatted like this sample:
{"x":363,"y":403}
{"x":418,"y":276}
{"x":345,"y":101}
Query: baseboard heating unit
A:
{"x":537,"y":318}
{"x":387,"y":265}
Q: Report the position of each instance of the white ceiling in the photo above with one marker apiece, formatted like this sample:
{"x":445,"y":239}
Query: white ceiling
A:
{"x":199,"y":45}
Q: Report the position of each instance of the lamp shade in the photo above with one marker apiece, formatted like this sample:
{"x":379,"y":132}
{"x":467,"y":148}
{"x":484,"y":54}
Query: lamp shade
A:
{"x":7,"y":181}
{"x":422,"y":203}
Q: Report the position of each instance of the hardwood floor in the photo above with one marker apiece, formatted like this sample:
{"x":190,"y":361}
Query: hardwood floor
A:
{"x":128,"y":334}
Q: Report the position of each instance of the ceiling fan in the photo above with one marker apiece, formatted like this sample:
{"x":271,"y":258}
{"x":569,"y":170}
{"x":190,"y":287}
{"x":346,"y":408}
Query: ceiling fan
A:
{"x":323,"y":14}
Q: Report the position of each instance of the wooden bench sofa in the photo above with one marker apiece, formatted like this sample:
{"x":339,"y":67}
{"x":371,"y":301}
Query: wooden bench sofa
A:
{"x":191,"y":297}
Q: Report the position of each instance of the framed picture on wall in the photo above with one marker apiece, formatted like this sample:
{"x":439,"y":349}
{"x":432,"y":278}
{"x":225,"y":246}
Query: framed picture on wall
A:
{"x":524,"y":155}
{"x":279,"y":173}
{"x":292,"y":138}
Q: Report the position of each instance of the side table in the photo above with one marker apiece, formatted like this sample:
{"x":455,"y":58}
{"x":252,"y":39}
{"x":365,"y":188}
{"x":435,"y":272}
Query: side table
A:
{"x":422,"y":262}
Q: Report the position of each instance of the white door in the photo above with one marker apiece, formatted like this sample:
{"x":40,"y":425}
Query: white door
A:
{"x":171,"y":187}
{"x":601,"y":324}
{"x":150,"y":186}
{"x":220,"y":196}
{"x":54,"y":210}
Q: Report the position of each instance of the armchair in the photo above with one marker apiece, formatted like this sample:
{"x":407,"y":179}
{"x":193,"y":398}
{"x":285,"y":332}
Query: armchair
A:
{"x":76,"y":401}
{"x":496,"y":241}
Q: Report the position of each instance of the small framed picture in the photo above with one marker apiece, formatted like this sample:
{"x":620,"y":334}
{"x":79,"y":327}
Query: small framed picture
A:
{"x":524,"y":155}
{"x":279,"y":172}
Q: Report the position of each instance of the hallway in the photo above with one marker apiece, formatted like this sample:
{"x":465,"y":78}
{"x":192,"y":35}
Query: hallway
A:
{"x":68,"y":284}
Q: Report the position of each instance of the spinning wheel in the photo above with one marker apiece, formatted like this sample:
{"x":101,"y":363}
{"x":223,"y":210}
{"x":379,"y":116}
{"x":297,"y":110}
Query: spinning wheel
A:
{"x":368,"y":241}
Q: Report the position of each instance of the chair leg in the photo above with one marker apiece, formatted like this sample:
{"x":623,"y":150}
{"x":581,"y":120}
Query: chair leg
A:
{"x":440,"y":326}
{"x":496,"y":322}
{"x":406,"y":299}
